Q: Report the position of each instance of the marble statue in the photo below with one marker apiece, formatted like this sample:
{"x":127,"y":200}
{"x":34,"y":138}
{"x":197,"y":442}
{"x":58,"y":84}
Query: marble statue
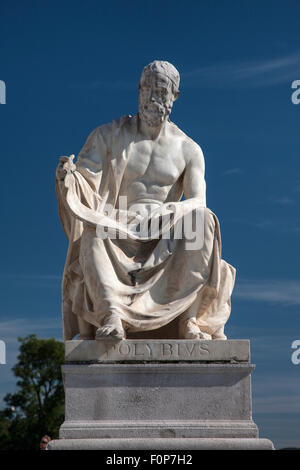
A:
{"x":120,"y":279}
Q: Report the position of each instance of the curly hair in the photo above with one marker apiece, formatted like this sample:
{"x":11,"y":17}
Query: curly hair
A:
{"x":165,"y":68}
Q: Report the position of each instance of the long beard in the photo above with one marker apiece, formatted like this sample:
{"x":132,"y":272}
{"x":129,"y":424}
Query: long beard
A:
{"x":153,"y":113}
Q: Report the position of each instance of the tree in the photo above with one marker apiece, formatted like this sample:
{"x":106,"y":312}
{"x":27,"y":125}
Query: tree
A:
{"x":37,"y":408}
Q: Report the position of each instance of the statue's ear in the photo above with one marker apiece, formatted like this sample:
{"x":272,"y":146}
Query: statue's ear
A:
{"x":176,"y":95}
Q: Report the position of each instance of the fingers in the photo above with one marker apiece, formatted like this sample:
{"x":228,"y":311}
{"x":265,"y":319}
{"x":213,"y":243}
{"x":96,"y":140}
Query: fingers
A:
{"x":65,"y":165}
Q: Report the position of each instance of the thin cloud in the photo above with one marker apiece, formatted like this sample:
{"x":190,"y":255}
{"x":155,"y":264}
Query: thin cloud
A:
{"x":118,"y":85}
{"x":296,"y":189}
{"x":52,"y":281}
{"x":285,"y":292}
{"x":278,"y":394}
{"x":233,"y":171}
{"x":34,"y":277}
{"x":283,"y":201}
{"x":278,"y":404}
{"x":269,"y":224}
{"x":264,"y":224}
{"x":260,"y":73}
{"x":12,"y":329}
{"x":294,"y":229}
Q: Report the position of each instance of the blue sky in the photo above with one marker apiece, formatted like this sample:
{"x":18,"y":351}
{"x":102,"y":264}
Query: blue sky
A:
{"x":71,"y":66}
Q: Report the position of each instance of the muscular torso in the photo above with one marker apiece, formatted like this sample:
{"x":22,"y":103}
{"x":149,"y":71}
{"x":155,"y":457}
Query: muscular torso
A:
{"x":157,"y":170}
{"x":154,"y":167}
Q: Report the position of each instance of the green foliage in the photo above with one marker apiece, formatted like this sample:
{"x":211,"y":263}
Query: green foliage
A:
{"x":37,"y":408}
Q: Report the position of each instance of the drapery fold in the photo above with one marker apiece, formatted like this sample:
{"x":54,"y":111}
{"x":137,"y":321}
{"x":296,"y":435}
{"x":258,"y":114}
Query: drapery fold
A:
{"x":147,"y":281}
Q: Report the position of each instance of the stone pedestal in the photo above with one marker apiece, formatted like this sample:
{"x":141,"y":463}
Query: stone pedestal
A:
{"x":156,"y":394}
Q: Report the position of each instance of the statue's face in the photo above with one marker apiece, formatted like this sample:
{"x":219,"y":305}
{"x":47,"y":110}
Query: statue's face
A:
{"x":155,"y":98}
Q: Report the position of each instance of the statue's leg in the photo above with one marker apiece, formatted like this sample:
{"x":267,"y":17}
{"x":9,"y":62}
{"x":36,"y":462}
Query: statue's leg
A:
{"x":215,"y":317}
{"x":188,"y":324}
{"x":102,"y":285}
{"x":86,"y":330}
{"x":219,"y":333}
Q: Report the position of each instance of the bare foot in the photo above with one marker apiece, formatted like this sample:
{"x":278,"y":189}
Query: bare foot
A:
{"x":112,"y":329}
{"x":190,"y":330}
{"x":219,"y":334}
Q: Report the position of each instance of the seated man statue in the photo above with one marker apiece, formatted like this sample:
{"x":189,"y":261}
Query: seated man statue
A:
{"x":120,"y":277}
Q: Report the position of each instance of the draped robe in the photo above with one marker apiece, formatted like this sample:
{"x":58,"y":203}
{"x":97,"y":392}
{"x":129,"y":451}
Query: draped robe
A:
{"x":148,"y":282}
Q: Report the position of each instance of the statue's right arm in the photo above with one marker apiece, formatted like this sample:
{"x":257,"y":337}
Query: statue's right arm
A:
{"x":89,"y":162}
{"x":85,"y":177}
{"x":94,"y":150}
{"x":91,"y":158}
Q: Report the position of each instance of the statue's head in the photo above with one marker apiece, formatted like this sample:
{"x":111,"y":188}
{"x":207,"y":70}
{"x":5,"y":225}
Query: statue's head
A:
{"x":158,"y":89}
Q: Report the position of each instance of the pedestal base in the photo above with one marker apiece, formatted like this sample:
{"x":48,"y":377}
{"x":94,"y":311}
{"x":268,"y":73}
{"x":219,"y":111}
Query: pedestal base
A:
{"x":175,"y":394}
{"x":188,"y":444}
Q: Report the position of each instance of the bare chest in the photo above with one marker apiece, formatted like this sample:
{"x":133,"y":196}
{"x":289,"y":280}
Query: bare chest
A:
{"x":155,"y":162}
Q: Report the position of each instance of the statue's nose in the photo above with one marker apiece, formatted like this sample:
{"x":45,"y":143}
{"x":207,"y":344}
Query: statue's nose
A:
{"x":153,"y":96}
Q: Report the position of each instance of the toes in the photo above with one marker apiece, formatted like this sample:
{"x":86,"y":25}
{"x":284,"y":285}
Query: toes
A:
{"x":109,"y":332}
{"x":102,"y":332}
{"x":194,"y":333}
{"x":204,"y":336}
{"x":119,"y":335}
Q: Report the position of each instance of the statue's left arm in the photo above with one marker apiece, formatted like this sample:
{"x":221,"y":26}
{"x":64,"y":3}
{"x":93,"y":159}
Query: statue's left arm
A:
{"x":194,"y":186}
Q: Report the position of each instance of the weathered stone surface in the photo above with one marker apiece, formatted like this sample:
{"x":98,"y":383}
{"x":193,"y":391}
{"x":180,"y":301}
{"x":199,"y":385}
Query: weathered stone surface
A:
{"x":178,"y":429}
{"x":161,"y":444}
{"x":158,"y":400}
{"x":169,"y":403}
{"x":157,"y":350}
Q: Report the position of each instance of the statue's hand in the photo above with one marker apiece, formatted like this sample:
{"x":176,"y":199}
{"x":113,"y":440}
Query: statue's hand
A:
{"x":65,"y":166}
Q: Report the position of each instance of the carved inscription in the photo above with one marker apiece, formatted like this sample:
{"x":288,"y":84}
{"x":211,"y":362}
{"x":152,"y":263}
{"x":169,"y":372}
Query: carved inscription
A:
{"x":142,"y":350}
{"x":151,"y":350}
{"x":175,"y":350}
